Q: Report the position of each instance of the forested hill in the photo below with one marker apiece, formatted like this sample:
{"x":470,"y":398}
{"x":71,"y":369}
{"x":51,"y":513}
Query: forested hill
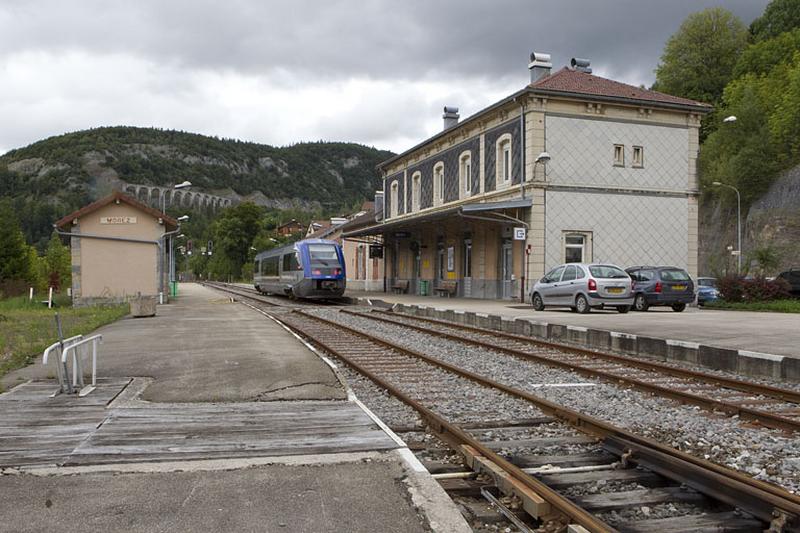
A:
{"x":56,"y":175}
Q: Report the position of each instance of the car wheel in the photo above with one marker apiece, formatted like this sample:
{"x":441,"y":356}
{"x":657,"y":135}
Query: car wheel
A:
{"x":678,"y":307}
{"x":623,"y":308}
{"x":582,"y":304}
{"x":640,"y":303}
{"x":536,"y":301}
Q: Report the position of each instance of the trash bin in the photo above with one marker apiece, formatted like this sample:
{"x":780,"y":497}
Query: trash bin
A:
{"x":423,"y":287}
{"x":173,"y":288}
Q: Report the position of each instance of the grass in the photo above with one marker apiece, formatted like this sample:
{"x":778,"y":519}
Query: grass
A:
{"x":27,"y":328}
{"x":775,"y":306}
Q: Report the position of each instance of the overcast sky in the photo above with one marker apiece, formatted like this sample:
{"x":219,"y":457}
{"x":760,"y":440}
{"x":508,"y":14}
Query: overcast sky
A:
{"x":375,"y":72}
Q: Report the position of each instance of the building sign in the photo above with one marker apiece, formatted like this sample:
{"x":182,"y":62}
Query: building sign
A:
{"x":519,"y":234}
{"x":451,"y":258}
{"x":118,"y":220}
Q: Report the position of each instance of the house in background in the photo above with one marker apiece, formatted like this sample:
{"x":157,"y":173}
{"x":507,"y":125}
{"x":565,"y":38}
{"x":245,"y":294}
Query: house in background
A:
{"x":572,"y":167}
{"x":120,"y":248}
{"x":289,"y":228}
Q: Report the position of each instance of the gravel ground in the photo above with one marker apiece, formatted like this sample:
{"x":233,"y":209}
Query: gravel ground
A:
{"x":783,"y":384}
{"x":769,"y":455}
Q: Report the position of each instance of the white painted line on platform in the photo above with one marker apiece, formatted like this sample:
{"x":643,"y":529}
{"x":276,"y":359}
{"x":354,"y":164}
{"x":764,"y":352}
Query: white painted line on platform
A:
{"x":578,"y":328}
{"x":622,"y":335}
{"x":351,"y":396}
{"x":684,"y":344}
{"x":759,"y":355}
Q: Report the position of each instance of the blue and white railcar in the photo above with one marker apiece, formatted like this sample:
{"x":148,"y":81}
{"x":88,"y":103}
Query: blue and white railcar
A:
{"x":312,"y":268}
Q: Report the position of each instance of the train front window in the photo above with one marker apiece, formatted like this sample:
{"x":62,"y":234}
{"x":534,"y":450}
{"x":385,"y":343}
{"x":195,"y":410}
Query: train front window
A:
{"x":324,"y":254}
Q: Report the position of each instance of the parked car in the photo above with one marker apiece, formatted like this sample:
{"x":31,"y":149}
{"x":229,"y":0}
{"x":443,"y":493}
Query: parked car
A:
{"x":661,"y":285}
{"x":792,"y":277}
{"x":582,"y":286}
{"x":706,"y":290}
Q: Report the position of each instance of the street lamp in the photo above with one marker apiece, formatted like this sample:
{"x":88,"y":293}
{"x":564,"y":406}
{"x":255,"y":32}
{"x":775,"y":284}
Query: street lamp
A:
{"x":542,"y":158}
{"x":177,"y":187}
{"x":731,"y":118}
{"x":183,"y":218}
{"x":738,"y":220}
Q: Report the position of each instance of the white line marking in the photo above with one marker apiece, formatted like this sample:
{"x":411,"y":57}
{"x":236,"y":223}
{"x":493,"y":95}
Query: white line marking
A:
{"x":684,"y":344}
{"x":759,"y":355}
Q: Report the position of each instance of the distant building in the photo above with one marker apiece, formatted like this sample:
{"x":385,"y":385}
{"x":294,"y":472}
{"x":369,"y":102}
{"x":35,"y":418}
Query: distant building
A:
{"x":120,"y":248}
{"x":315,"y":226}
{"x":289,"y":228}
{"x":573,"y":167}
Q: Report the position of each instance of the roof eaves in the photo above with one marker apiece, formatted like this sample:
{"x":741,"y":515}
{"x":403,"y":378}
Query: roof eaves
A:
{"x":442,"y":133}
{"x":699,"y":107}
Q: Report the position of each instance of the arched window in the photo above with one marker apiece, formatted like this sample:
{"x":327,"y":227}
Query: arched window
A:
{"x":394,"y":201}
{"x":438,"y":183}
{"x":465,"y":173}
{"x":503,"y":160}
{"x":416,"y":184}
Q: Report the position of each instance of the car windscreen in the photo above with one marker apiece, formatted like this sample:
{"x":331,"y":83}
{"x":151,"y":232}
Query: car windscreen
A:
{"x":608,"y":271}
{"x":323,"y":254}
{"x":706,"y":282}
{"x":674,"y":275}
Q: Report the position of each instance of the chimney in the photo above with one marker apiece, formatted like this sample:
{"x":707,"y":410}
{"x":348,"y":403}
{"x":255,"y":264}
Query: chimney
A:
{"x":580,"y":64}
{"x":539,"y":66}
{"x":450,"y":117}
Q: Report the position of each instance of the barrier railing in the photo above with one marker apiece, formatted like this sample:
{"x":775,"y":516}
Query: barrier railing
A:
{"x":61,"y":351}
{"x":61,"y":369}
{"x":77,"y":369}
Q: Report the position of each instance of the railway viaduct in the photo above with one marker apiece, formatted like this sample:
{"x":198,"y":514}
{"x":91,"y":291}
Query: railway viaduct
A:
{"x":152,"y":195}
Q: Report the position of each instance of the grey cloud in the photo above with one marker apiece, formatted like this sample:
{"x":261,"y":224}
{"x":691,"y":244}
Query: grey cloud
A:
{"x":378,"y":38}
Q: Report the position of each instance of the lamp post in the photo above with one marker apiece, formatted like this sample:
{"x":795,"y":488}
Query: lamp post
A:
{"x":177,"y":187}
{"x":738,"y":222}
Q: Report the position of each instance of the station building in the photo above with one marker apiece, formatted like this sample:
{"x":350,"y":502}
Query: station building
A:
{"x":573,"y":167}
{"x":120,"y":248}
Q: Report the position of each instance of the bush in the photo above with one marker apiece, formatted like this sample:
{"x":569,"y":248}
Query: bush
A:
{"x":735,"y":289}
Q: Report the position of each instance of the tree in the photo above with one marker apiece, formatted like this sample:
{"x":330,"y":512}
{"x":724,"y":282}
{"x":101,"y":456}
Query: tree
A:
{"x":15,"y":264}
{"x":699,"y":59}
{"x":780,"y":16}
{"x":58,"y":264}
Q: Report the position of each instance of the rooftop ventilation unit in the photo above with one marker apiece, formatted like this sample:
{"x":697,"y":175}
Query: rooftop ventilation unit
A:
{"x":539,"y":66}
{"x":581,"y":64}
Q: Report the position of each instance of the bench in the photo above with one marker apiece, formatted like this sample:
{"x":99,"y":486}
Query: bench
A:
{"x":400,"y":286}
{"x":447,"y":288}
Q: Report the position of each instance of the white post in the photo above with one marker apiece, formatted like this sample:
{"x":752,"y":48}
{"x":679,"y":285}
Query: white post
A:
{"x":94,"y":363}
{"x":30,"y":295}
{"x":50,"y":298}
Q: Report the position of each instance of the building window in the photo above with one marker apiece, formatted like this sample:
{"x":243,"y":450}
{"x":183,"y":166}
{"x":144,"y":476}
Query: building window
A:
{"x":438,"y":182}
{"x":503,"y":159}
{"x":467,"y":258}
{"x":577,"y":247}
{"x":638,"y":157}
{"x":619,"y":155}
{"x":394,"y":201}
{"x":416,"y":180}
{"x":465,"y":173}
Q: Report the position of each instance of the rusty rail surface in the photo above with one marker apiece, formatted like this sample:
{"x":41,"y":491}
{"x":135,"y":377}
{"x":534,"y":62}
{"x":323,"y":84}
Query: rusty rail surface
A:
{"x":765,"y":418}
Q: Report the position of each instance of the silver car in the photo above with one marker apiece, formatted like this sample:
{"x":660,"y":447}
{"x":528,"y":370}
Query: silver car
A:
{"x":582,"y":286}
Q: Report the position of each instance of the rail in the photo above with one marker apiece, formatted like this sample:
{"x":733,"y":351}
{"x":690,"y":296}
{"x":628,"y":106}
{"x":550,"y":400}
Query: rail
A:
{"x":77,"y":370}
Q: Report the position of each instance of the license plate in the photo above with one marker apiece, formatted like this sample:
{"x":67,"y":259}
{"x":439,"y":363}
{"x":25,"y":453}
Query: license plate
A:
{"x":615,"y":290}
{"x":679,"y":287}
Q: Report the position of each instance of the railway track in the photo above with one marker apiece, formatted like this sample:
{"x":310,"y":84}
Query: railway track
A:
{"x":548,"y":461}
{"x":769,"y":406}
{"x":271,"y":300}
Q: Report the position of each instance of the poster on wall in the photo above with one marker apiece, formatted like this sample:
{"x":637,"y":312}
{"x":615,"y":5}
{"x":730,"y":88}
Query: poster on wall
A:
{"x":451,"y":258}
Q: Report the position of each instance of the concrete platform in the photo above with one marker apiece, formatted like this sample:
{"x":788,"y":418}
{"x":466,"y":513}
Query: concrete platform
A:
{"x":353,"y":497}
{"x":203,"y":348}
{"x":207,"y":417}
{"x":747,"y":342}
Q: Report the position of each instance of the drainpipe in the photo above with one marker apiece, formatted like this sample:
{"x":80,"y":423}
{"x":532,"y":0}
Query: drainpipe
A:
{"x":522,"y":190}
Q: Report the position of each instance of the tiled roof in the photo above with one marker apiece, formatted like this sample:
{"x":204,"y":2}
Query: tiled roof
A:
{"x":577,"y":82}
{"x":169,"y":222}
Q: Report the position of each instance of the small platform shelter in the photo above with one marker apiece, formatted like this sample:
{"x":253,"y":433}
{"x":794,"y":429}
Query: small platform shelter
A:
{"x":120,"y":248}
